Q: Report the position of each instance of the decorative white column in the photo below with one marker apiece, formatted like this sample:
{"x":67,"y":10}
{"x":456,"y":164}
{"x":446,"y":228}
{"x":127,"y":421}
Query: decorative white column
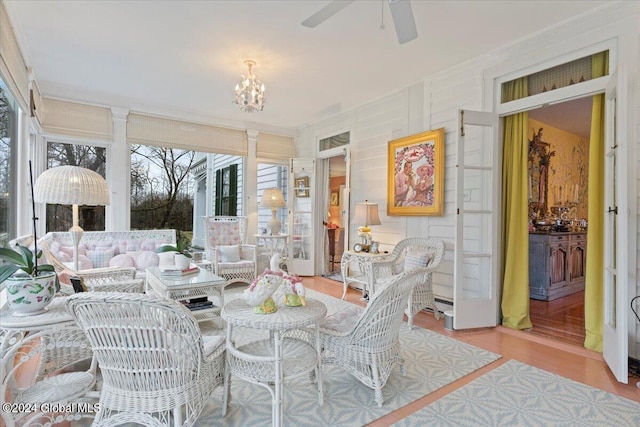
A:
{"x":118,"y":213}
{"x":251,"y":186}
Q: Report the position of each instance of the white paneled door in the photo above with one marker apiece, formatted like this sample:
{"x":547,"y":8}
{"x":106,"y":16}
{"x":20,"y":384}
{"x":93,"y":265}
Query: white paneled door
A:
{"x":476,"y":257}
{"x":301,"y":217}
{"x":616,"y":328}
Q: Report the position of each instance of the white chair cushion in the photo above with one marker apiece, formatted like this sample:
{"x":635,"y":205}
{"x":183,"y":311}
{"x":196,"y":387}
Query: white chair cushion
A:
{"x":239,"y":264}
{"x":210,"y":343}
{"x":229,"y":253}
{"x":342,"y":321}
{"x":417,"y":257}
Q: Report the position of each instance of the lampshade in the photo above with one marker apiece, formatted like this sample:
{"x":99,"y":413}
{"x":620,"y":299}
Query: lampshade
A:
{"x":272,"y":198}
{"x":71,"y":185}
{"x":367,"y":214}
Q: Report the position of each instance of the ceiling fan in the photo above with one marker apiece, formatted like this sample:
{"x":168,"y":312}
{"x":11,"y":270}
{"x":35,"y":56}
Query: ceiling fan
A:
{"x":401,"y":12}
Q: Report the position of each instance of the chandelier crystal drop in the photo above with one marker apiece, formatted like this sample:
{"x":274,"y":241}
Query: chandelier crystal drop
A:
{"x":250,"y":91}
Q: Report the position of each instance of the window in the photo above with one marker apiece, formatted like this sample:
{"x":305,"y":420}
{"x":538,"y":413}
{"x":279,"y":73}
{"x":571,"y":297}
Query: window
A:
{"x":59,"y":217}
{"x":334,"y":141}
{"x":162,"y":188}
{"x":563,"y":75}
{"x":8,"y":147}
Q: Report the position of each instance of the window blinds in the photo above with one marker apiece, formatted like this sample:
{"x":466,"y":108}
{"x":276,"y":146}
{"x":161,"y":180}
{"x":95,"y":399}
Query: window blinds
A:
{"x":77,"y":120}
{"x":12,"y":65}
{"x":153,"y":130}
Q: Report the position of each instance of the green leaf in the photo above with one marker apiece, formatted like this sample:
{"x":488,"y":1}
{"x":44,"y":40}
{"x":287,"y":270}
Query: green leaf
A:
{"x":7,"y":271}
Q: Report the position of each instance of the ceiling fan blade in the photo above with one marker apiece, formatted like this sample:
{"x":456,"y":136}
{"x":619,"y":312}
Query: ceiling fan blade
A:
{"x":326,"y":12}
{"x":403,"y":20}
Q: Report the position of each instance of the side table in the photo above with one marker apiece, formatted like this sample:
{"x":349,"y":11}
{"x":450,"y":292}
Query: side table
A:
{"x":288,"y":353}
{"x":15,"y":327}
{"x":364,"y":262}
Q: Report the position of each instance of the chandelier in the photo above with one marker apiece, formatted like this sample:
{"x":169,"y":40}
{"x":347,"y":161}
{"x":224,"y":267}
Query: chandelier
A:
{"x":250,"y":91}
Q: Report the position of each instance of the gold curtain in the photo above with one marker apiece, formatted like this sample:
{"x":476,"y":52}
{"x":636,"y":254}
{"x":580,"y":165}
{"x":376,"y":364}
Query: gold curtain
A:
{"x":515,"y":207}
{"x":593,"y":293}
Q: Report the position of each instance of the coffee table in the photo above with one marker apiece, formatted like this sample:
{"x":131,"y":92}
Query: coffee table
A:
{"x":182,"y":288}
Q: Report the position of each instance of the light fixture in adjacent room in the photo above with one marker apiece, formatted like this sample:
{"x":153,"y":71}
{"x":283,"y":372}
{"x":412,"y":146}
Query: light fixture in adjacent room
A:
{"x":273,"y":198}
{"x":250,"y":91}
{"x":366,"y":213}
{"x":72,"y":185}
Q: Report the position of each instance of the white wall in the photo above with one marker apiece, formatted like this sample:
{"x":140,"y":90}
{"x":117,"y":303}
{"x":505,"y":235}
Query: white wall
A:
{"x":373,"y":125}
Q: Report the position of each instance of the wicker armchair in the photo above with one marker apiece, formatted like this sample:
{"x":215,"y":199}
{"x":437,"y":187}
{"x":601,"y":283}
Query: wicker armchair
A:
{"x":53,"y":366}
{"x":410,"y":253}
{"x":226,"y":248}
{"x":156,"y":367}
{"x":110,"y":280}
{"x":366,"y":342}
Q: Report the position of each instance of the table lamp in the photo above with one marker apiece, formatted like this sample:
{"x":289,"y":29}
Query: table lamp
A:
{"x":273,"y":198}
{"x":72,"y":185}
{"x":367,"y":214}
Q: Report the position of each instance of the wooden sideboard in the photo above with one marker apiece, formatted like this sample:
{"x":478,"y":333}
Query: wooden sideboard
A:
{"x":557,"y":264}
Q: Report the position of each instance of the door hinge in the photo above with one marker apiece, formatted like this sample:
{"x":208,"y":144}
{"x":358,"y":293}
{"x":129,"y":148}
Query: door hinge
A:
{"x":461,"y":122}
{"x":614,"y":210}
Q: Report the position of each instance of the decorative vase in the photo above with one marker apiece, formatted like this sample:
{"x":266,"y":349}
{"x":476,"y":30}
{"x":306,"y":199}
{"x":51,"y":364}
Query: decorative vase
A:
{"x":27,"y":295}
{"x":182,"y":261}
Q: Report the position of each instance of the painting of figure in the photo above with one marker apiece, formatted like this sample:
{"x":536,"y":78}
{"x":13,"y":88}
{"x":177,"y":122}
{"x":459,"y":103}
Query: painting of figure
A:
{"x":416,"y":174}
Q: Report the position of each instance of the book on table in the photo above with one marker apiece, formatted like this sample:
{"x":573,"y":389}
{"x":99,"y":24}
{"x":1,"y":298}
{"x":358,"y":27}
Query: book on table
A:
{"x":197,"y":303}
{"x":174,"y":271}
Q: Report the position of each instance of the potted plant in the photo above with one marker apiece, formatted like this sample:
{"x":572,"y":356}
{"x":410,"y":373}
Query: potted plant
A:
{"x":182,"y":257}
{"x":30,"y":287}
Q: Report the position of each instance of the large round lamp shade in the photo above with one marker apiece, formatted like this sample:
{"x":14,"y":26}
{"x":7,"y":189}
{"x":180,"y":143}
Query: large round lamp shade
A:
{"x":72,"y":185}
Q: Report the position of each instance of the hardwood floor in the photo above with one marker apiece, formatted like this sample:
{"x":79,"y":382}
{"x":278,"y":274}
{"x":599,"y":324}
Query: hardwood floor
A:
{"x":551,"y":355}
{"x":561,"y":319}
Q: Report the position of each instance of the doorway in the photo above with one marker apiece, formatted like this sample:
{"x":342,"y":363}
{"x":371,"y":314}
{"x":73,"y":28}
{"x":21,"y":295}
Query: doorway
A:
{"x":558,"y":313}
{"x":334,"y":222}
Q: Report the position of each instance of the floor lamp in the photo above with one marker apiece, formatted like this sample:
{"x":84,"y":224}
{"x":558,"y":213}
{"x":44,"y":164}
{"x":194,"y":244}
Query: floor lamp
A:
{"x":72,"y":185}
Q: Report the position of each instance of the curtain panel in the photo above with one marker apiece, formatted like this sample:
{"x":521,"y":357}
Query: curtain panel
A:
{"x":515,"y":232}
{"x":594,"y":288}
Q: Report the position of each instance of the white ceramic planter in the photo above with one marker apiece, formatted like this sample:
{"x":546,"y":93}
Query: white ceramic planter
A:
{"x":182,"y":261}
{"x":28,"y":295}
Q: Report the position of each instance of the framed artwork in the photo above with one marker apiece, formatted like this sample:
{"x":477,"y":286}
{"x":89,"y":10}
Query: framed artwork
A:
{"x":302,"y":186}
{"x":335,"y":199}
{"x":415,"y":184}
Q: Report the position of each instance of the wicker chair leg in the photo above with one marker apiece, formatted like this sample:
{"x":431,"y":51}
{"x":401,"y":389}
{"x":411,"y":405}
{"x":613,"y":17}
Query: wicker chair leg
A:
{"x":226,"y":392}
{"x":377,"y":384}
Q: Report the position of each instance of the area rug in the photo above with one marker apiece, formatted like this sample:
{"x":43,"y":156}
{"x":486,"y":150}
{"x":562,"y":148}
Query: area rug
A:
{"x":517,"y":394}
{"x":432,"y":361}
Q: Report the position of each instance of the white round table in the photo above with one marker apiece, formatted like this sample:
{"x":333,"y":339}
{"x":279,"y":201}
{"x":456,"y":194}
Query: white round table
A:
{"x":292,"y":350}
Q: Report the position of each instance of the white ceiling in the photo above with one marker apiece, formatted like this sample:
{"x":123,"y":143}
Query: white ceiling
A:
{"x":183,"y":58}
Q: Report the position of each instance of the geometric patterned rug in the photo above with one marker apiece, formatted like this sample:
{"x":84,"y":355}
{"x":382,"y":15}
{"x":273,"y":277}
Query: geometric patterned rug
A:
{"x":517,"y":394}
{"x":432,"y":361}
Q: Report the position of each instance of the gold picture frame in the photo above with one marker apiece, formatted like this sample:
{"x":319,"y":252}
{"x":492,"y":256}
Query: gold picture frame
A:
{"x":415,"y":184}
{"x":302,"y":186}
{"x":335,"y":198}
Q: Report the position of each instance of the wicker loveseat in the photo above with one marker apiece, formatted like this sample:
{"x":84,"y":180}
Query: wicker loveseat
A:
{"x":107,"y":249}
